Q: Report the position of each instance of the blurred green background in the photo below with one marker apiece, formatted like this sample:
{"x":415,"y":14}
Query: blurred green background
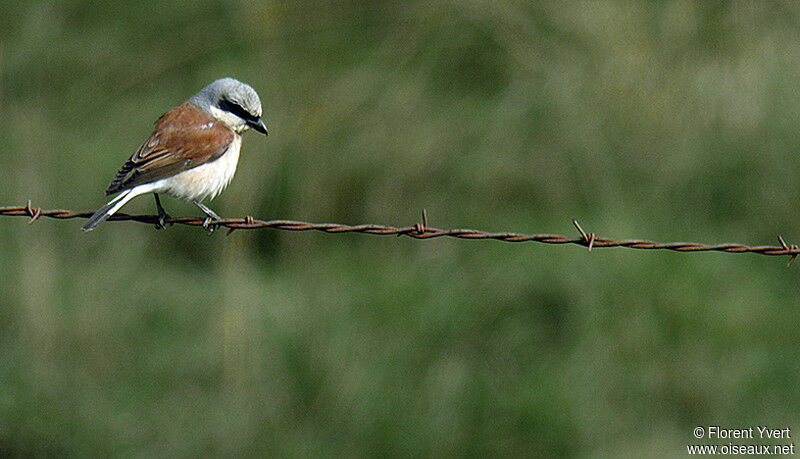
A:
{"x":661,"y":120}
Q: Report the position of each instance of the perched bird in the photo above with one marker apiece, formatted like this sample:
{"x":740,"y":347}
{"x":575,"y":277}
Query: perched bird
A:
{"x":192,"y":153}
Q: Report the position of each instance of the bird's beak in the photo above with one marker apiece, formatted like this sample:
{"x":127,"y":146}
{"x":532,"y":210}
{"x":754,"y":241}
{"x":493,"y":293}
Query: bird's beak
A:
{"x":258,"y":125}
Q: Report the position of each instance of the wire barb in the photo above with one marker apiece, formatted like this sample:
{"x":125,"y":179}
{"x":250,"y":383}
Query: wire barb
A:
{"x":420,"y":228}
{"x":419,"y":231}
{"x":589,"y":239}
{"x":34,"y":214}
{"x":792,"y":247}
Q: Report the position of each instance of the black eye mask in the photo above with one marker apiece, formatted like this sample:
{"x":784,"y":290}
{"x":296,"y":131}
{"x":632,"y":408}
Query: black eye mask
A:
{"x":236,"y":109}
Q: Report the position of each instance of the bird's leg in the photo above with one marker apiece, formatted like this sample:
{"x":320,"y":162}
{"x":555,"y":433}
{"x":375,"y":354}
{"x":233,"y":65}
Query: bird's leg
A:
{"x":162,"y":214}
{"x":211,"y":215}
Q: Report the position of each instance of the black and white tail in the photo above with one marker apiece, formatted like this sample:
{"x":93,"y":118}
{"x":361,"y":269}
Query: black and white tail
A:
{"x":112,"y":207}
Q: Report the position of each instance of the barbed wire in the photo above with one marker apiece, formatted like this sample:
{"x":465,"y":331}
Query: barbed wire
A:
{"x":419,"y":231}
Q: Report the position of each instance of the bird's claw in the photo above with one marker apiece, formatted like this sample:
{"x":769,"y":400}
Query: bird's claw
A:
{"x":162,"y":217}
{"x":210,"y":224}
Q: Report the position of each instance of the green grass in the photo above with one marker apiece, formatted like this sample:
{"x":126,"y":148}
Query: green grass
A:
{"x":658,"y":120}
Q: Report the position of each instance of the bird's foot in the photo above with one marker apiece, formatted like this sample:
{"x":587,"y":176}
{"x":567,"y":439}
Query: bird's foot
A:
{"x":162,"y":217}
{"x":162,"y":214}
{"x":210,"y":224}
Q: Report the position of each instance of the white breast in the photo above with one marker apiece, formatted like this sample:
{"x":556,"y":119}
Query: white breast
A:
{"x":206,"y":180}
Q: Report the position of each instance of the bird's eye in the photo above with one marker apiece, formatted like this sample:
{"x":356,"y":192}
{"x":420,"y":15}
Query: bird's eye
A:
{"x":236,"y":109}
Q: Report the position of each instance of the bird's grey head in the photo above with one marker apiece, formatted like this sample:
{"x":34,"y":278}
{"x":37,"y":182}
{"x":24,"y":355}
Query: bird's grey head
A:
{"x":233,"y":103}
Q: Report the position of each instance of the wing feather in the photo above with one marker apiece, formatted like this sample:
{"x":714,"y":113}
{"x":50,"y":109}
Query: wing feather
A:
{"x":184,"y":138}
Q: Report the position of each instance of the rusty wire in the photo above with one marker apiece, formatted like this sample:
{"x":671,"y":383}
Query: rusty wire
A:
{"x":420,"y":231}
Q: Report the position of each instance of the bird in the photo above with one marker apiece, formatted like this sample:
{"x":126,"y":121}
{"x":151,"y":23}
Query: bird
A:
{"x":192,"y":152}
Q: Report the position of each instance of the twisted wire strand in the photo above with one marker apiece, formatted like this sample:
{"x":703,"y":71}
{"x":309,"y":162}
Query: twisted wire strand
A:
{"x":420,"y":231}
